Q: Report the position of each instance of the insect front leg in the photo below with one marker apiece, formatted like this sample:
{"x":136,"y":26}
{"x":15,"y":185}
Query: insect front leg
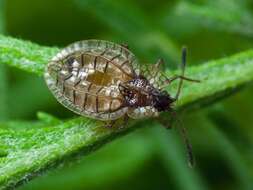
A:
{"x":110,"y":124}
{"x":120,"y":125}
{"x":125,"y":45}
{"x":125,"y":120}
{"x":124,"y":123}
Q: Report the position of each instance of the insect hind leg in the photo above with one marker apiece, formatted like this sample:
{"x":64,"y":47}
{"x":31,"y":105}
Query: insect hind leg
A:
{"x":110,"y":124}
{"x":125,"y":45}
{"x":113,"y":123}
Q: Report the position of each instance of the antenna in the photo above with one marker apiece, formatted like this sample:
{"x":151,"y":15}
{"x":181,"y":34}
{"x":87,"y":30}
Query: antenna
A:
{"x":181,"y":77}
{"x":183,"y":134}
{"x":188,"y":146}
{"x":183,"y":64}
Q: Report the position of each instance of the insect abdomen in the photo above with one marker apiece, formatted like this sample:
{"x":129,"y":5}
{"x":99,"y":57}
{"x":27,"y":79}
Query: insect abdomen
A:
{"x":86,"y":79}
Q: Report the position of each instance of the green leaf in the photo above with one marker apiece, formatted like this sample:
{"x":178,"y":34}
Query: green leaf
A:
{"x":236,"y":19}
{"x":173,"y":159}
{"x":227,"y":149}
{"x":43,"y":145}
{"x":26,"y":56}
{"x":3,"y":77}
{"x":3,"y":93}
{"x":90,"y":172}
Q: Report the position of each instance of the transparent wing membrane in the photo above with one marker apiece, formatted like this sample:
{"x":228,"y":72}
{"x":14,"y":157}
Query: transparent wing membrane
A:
{"x":84,"y":77}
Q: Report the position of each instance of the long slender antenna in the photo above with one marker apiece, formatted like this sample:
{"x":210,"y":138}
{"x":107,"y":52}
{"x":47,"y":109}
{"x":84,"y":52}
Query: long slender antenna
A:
{"x":183,"y":63}
{"x":186,"y":140}
{"x":188,"y":146}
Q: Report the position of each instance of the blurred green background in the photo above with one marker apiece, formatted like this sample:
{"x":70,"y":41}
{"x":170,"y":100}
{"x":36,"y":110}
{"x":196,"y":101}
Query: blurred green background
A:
{"x":152,"y":157}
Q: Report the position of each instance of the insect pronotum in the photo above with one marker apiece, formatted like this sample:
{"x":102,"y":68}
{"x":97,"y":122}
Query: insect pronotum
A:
{"x":104,"y":81}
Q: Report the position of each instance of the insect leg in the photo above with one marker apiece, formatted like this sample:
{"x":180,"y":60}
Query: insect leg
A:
{"x":176,"y":77}
{"x":125,"y":46}
{"x":153,"y":71}
{"x":159,"y":63}
{"x":110,"y":124}
{"x":183,"y":64}
{"x":125,"y":120}
{"x":156,"y":67}
{"x":180,"y":77}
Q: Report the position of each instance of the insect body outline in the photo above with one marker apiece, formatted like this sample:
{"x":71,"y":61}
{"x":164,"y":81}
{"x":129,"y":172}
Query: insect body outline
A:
{"x":104,"y":81}
{"x":87,"y":74}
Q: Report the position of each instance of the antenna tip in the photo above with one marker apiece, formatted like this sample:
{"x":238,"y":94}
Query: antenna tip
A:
{"x":184,"y":54}
{"x":191,"y":164}
{"x":184,"y":49}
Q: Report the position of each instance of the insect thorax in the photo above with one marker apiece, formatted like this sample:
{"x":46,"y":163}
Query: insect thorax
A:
{"x":139,"y":92}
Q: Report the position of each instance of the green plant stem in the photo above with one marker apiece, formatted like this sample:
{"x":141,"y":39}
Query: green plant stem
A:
{"x":173,"y":159}
{"x":227,"y":149}
{"x":3,"y":77}
{"x":236,"y":19}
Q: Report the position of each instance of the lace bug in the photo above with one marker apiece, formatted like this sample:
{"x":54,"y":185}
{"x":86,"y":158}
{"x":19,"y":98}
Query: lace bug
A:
{"x":104,"y":81}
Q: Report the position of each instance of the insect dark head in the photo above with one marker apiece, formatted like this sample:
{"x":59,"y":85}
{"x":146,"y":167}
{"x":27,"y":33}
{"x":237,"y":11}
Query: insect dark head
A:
{"x":162,"y":101}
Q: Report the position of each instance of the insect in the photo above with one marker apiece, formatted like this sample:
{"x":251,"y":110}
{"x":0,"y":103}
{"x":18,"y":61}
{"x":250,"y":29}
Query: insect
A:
{"x":104,"y":81}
